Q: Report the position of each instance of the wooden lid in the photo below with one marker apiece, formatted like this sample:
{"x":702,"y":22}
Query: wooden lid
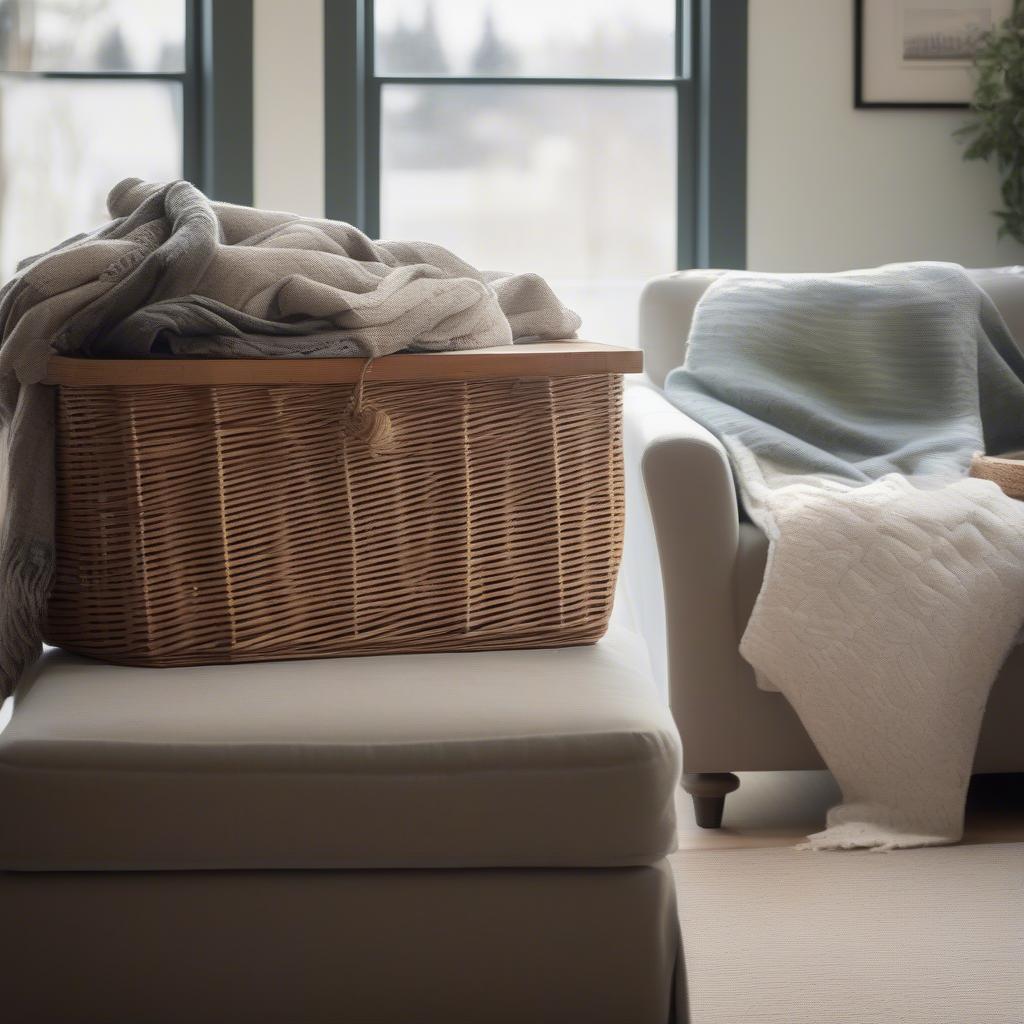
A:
{"x":543,"y":359}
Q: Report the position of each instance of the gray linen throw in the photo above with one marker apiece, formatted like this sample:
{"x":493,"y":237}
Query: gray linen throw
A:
{"x":850,"y":406}
{"x":174,"y":274}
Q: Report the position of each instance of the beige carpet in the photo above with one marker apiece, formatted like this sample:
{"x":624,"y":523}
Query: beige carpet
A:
{"x":931,"y":936}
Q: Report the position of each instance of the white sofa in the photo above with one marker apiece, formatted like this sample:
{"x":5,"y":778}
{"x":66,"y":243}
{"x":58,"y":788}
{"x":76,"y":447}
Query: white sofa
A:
{"x":693,"y":569}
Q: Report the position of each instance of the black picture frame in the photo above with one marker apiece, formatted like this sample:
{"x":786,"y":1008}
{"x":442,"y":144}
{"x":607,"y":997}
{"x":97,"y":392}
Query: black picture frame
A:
{"x":858,"y":76}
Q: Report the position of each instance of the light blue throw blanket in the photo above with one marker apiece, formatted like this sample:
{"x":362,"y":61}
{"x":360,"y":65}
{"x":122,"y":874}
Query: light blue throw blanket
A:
{"x":850,"y":406}
{"x":900,"y":369}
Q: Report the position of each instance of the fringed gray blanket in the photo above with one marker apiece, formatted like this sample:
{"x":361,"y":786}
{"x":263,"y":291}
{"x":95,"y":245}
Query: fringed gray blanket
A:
{"x":850,"y":406}
{"x":174,"y":274}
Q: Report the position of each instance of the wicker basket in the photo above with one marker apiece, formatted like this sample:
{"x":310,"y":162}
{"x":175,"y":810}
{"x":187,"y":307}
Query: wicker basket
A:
{"x":230,"y":510}
{"x":1007,"y":471}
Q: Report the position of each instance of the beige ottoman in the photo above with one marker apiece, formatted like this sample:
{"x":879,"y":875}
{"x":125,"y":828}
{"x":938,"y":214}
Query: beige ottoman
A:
{"x":473,"y":837}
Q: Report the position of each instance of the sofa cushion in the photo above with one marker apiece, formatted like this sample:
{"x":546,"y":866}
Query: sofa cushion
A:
{"x":500,"y":759}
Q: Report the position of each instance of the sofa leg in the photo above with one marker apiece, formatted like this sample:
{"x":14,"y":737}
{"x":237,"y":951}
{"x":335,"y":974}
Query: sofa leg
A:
{"x":709,"y":790}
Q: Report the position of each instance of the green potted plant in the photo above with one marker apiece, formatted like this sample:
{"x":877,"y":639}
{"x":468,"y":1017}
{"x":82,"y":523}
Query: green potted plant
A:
{"x":996,"y":129}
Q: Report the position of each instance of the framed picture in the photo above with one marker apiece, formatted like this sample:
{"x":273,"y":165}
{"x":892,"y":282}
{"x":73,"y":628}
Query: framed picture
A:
{"x":918,"y":53}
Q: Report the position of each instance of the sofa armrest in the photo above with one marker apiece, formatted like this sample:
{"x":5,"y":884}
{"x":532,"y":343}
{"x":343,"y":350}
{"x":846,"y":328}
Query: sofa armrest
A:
{"x":655,"y":420}
{"x":681,"y":501}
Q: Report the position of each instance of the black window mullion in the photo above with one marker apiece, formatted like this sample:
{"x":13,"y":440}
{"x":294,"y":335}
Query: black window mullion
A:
{"x":687,"y":148}
{"x":348,"y":46}
{"x":372,"y":88}
{"x":192,"y":163}
{"x":371,"y":158}
{"x":223,"y":99}
{"x":720,"y":72}
{"x":686,"y":175}
{"x":106,"y":76}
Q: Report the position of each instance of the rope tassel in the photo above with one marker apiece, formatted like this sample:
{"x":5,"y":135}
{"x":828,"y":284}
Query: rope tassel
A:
{"x":363,"y":421}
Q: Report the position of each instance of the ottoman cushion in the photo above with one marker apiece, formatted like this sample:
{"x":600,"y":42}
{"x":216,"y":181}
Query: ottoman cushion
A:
{"x":557,"y":758}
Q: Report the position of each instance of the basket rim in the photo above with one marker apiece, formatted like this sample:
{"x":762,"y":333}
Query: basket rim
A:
{"x":568,"y":358}
{"x":1013,"y":459}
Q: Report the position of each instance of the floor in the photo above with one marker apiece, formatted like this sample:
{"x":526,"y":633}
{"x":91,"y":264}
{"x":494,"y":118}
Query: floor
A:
{"x":779,"y":808}
{"x":772,"y":935}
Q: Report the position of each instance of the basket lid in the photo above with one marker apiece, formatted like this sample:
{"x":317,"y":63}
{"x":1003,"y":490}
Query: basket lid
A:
{"x":540,"y":359}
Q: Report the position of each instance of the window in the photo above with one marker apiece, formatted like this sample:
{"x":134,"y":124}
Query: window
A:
{"x":524,"y":134}
{"x":91,"y":91}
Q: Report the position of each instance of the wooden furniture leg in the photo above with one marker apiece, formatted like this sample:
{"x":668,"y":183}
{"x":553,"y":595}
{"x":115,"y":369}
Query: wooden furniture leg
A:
{"x":709,"y":790}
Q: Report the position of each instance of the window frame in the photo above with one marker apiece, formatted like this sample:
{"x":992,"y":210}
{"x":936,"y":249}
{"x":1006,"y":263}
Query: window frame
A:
{"x":709,"y":81}
{"x":187,"y":78}
{"x":216,"y":96}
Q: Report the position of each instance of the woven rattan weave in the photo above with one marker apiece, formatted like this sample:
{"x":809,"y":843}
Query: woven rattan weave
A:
{"x":1006,"y":471}
{"x":230,"y":523}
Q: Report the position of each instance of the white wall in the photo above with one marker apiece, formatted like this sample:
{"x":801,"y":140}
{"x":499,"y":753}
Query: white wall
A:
{"x":288,"y":105}
{"x":831,"y":187}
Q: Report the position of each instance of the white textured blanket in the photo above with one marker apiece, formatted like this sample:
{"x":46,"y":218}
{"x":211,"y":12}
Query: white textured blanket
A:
{"x":850,"y":406}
